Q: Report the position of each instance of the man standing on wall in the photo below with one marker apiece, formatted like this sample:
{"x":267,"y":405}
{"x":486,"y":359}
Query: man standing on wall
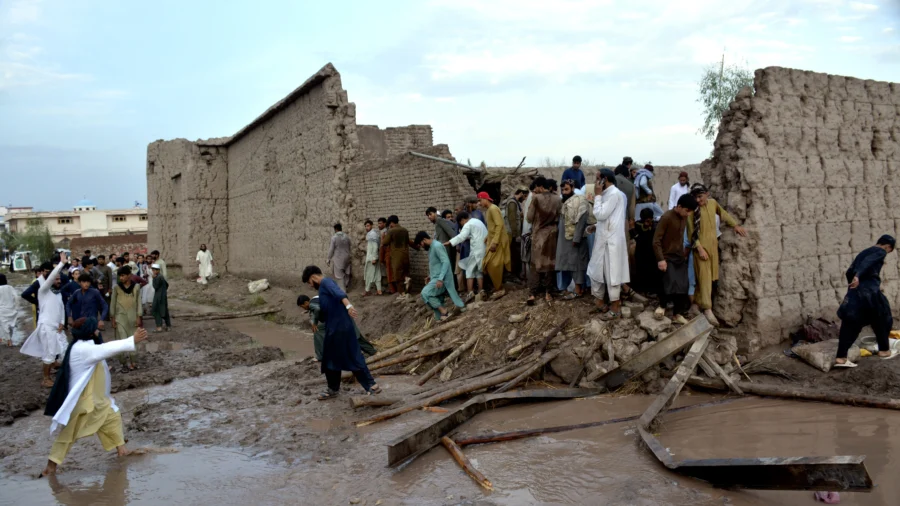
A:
{"x":340,"y":351}
{"x":339,"y":256}
{"x":608,"y":268}
{"x":204,"y":264}
{"x":497,"y":259}
{"x":440,"y":278}
{"x":398,"y":238}
{"x":702,"y":232}
{"x":864,"y":303}
{"x":681,"y":187}
{"x":575,"y":173}
{"x":372,"y":271}
{"x":671,"y":257}
{"x":444,"y":230}
{"x":512,"y":220}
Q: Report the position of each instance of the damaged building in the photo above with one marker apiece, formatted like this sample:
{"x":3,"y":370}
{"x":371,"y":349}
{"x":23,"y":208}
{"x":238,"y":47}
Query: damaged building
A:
{"x":809,"y":162}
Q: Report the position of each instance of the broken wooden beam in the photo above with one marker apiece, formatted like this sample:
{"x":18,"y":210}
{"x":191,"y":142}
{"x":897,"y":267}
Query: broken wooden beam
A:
{"x":676,"y":383}
{"x":775,"y":473}
{"x":229,"y":315}
{"x":663,"y":349}
{"x":802,"y":394}
{"x":450,"y":358}
{"x":414,"y":341}
{"x":465,"y":463}
{"x":498,"y":437}
{"x":528,"y":372}
{"x":409,"y":358}
{"x":409,"y":446}
{"x":718,"y":371}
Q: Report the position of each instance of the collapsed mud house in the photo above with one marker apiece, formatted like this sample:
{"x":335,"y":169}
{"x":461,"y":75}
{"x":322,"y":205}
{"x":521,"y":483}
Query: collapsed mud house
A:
{"x":809,"y":162}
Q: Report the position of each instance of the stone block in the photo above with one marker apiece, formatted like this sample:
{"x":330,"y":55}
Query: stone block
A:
{"x":830,"y":272}
{"x":798,"y":241}
{"x":786,"y":203}
{"x":828,"y":303}
{"x":765,"y":277}
{"x":833,"y":238}
{"x":791,"y":310}
{"x":812,"y":205}
{"x":810,"y":303}
{"x":860,"y":235}
{"x":856,"y":172}
{"x":837,"y":87}
{"x":769,"y":243}
{"x":835,"y":172}
{"x":879,"y":92}
{"x":827,"y":142}
{"x":757,"y":172}
{"x":768,"y":313}
{"x":856,"y":89}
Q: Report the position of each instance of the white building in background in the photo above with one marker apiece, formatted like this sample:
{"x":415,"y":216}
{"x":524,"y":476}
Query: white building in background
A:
{"x":84,"y":220}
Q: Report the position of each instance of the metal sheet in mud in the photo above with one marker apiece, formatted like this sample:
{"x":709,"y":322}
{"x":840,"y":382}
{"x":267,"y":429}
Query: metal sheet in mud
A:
{"x":406,"y":448}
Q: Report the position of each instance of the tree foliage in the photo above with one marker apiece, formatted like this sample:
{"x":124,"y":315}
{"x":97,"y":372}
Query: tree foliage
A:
{"x":718,"y":87}
{"x":36,"y":239}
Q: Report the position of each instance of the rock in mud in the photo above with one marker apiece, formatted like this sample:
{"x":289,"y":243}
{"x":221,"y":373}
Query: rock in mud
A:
{"x":626,"y":312}
{"x":512,"y":335}
{"x":646,"y":344}
{"x":624,"y":350}
{"x":597,"y":330}
{"x":637,"y":336}
{"x":722,"y":348}
{"x":258,"y":286}
{"x":518,"y":318}
{"x":652,"y":325}
{"x":446,"y":374}
{"x":566,"y":365}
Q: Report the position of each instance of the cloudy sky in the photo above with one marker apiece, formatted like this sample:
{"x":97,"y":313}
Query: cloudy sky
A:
{"x":85,"y":85}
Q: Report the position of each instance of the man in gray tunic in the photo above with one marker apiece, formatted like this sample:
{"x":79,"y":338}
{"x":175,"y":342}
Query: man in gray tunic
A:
{"x":339,"y":256}
{"x":572,"y":253}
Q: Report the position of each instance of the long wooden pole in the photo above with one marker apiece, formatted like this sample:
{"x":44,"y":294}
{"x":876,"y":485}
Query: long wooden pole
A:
{"x":409,"y":358}
{"x":803,"y":394}
{"x":440,"y":397}
{"x":464,"y":462}
{"x":528,"y":372}
{"x":414,"y":341}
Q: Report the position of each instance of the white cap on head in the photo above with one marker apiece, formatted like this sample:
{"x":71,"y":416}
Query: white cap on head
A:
{"x":155,"y":266}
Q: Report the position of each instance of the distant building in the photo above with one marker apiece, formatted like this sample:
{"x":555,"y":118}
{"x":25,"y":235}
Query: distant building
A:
{"x":84,"y":220}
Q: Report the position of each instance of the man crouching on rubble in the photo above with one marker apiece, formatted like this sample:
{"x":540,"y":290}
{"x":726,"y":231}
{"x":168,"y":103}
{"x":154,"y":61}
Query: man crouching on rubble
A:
{"x":864,"y":303}
{"x":340,"y":351}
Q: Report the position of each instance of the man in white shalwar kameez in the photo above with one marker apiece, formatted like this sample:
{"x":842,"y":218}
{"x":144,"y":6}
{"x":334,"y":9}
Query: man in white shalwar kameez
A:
{"x":476,"y":232}
{"x":608,"y":268}
{"x":205,"y":264}
{"x":49,"y":338}
{"x":8,"y":313}
{"x":372,"y":272}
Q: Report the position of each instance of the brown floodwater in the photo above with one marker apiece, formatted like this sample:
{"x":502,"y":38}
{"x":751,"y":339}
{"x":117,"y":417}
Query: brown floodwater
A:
{"x":601,"y":465}
{"x":292,"y":342}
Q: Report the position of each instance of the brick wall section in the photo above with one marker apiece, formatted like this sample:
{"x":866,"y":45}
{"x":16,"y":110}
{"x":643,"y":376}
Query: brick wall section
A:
{"x":287,"y":184}
{"x":406,"y":185}
{"x":811,"y":164}
{"x":187,"y":192}
{"x":118,"y":244}
{"x":393,"y":141}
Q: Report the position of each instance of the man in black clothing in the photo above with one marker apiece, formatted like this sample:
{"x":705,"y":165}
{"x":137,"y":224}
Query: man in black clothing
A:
{"x":864,"y":303}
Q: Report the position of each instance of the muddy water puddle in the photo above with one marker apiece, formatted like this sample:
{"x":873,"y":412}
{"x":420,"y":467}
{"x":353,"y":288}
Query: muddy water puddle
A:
{"x":292,"y":342}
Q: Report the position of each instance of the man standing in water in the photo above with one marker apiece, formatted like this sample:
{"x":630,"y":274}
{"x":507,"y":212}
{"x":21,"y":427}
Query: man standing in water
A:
{"x":340,"y":351}
{"x":80,"y":401}
{"x":205,"y":264}
{"x":865,"y":304}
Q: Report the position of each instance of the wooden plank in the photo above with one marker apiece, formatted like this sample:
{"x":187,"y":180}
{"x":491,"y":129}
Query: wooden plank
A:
{"x":414,"y":341}
{"x":676,"y":383}
{"x":450,"y":358}
{"x":528,"y":372}
{"x":653,"y":355}
{"x":722,"y":375}
{"x":413,"y":444}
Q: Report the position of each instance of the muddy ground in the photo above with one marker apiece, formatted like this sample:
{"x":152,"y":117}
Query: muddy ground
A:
{"x":189,"y":349}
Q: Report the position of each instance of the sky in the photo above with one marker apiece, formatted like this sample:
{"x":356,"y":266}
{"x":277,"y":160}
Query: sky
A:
{"x":86,"y":85}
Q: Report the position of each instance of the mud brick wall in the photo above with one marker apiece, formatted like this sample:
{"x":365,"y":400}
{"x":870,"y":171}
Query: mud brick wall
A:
{"x":393,"y":141}
{"x":187,"y":200}
{"x":406,"y":185}
{"x":287,"y":182}
{"x":811,"y":164}
{"x":118,"y":244}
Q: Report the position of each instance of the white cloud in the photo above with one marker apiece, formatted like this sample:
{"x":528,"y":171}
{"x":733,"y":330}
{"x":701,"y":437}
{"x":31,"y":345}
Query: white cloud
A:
{"x":888,"y":29}
{"x":20,"y":12}
{"x":849,"y":39}
{"x":863,"y":7}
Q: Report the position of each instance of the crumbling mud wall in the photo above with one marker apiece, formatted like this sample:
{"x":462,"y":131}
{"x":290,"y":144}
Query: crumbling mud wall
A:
{"x":393,"y":141}
{"x":406,"y":185}
{"x":811,"y":164}
{"x":187,"y":201}
{"x":287,"y":180}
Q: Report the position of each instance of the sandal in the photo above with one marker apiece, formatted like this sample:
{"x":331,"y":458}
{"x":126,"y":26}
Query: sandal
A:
{"x":572,"y":296}
{"x":327,"y":394}
{"x":609,"y":316}
{"x":848,"y":364}
{"x":893,"y":354}
{"x":374,"y":390}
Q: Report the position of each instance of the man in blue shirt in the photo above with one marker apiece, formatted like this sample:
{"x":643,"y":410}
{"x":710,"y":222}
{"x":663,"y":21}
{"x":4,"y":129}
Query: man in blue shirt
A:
{"x":87,"y":302}
{"x":575,"y":173}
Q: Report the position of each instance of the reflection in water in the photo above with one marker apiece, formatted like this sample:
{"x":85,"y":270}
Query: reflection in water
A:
{"x":111,"y":491}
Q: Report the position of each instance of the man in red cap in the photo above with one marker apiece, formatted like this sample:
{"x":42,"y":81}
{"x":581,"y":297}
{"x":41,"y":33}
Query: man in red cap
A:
{"x":497,"y":258}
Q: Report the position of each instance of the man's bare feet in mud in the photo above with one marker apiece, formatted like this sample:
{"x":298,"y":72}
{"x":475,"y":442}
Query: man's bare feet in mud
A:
{"x":50,"y":469}
{"x":121,"y":451}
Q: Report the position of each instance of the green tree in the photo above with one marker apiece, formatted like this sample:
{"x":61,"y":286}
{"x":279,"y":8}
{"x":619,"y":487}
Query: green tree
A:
{"x":36,"y":239}
{"x":718,"y":87}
